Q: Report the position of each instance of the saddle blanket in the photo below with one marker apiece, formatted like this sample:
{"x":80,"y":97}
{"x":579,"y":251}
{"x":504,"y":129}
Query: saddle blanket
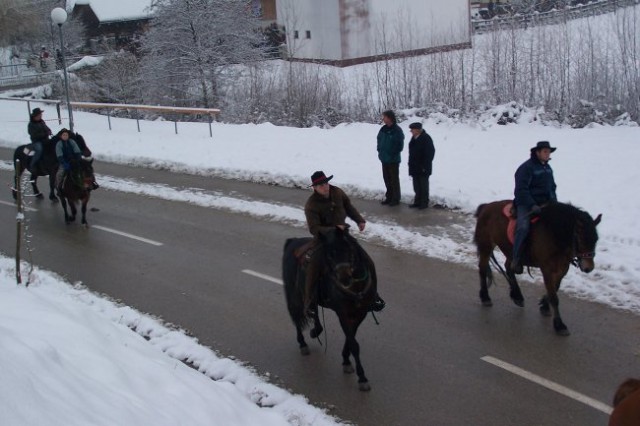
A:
{"x":508,"y":212}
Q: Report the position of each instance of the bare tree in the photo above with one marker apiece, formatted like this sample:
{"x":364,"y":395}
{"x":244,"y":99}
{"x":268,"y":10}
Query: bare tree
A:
{"x":195,"y":46}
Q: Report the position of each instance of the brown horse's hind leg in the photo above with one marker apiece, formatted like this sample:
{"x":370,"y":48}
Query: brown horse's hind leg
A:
{"x":486,"y":277}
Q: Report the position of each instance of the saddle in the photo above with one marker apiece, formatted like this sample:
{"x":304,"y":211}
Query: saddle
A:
{"x":509,"y":212}
{"x":304,"y":252}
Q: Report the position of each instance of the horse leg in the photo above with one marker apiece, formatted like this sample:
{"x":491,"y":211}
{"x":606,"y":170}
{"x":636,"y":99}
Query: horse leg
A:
{"x":544,"y":306}
{"x":514,"y":293}
{"x":34,"y":186}
{"x":84,"y":211}
{"x":552,"y":280}
{"x":63,"y":200}
{"x":317,"y":327}
{"x":74,"y":210}
{"x":486,"y":278}
{"x":52,"y":187}
{"x":351,"y":346}
{"x":304,"y":349}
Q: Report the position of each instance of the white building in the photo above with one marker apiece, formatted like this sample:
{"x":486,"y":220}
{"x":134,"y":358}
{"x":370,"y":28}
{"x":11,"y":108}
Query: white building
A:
{"x":346,"y":32}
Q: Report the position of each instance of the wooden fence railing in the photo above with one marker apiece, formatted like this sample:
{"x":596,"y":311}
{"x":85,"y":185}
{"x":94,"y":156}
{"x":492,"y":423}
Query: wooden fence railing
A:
{"x":210,"y":113}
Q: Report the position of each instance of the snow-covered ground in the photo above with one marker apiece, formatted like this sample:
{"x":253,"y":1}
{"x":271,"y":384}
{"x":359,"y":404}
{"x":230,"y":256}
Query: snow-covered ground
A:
{"x":595,"y":169}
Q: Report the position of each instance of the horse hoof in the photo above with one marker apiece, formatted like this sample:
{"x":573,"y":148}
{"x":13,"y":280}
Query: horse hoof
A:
{"x":487,"y":303}
{"x":364,"y":387}
{"x":347,"y":369}
{"x":304,"y":350}
{"x":563,"y":332}
{"x":39,"y":195}
{"x":519,"y":302}
{"x":315,"y":332}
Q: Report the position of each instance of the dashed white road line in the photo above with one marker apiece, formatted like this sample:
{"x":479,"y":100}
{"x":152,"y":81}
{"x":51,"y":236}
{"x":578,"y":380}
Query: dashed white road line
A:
{"x":125,"y":234}
{"x":600,"y":406}
{"x":263,"y":276}
{"x":28,"y":209}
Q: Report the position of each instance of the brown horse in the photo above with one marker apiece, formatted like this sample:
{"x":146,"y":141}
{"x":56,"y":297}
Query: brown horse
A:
{"x":626,"y":404}
{"x":563,"y":235}
{"x":348,"y":287}
{"x":76,"y":186}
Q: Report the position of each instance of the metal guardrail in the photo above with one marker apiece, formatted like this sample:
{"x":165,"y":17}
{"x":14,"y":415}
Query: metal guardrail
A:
{"x":26,"y":80}
{"x":550,"y":17}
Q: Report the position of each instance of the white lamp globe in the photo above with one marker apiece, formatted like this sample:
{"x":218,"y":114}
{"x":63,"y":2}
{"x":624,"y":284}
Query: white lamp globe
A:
{"x":58,"y":16}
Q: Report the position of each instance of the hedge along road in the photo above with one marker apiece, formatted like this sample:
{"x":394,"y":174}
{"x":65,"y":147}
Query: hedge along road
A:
{"x":437,"y":357}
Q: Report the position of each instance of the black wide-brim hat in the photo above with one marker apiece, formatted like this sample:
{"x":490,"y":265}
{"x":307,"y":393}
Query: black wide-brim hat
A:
{"x":318,"y":178}
{"x":542,"y":145}
{"x":36,"y":111}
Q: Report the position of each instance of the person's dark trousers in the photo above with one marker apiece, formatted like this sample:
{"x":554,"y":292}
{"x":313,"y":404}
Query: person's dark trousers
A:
{"x":522,"y":230}
{"x":421,"y":188}
{"x":391,"y":176}
{"x":37,"y":147}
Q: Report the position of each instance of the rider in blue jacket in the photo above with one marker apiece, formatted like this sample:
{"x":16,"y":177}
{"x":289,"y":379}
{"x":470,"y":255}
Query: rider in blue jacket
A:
{"x":535,"y":187}
{"x":67,"y":151}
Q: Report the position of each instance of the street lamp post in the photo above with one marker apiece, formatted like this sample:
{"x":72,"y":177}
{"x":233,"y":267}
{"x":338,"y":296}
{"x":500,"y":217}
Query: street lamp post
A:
{"x":59,"y":17}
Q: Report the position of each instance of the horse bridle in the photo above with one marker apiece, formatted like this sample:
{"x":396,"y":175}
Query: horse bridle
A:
{"x":580,"y":255}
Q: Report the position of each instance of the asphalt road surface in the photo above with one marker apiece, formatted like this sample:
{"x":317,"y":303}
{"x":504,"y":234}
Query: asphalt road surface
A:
{"x":436,"y":358}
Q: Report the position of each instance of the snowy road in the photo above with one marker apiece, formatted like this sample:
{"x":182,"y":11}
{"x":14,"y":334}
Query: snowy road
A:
{"x":424,"y":360}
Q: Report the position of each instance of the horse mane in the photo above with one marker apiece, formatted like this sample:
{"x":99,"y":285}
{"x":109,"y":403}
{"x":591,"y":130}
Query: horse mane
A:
{"x":561,"y":219}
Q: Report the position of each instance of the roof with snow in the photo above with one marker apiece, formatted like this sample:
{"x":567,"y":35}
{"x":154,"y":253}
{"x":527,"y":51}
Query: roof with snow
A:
{"x":118,"y":10}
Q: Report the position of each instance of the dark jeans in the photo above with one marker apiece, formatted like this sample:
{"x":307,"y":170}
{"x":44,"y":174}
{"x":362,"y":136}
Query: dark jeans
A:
{"x":391,"y":176}
{"x":522,"y":230}
{"x":421,"y":188}
{"x":37,"y":147}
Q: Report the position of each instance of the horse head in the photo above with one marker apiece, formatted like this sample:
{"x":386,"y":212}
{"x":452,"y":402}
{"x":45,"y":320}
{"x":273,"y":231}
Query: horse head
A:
{"x":585,"y":240}
{"x":347,"y":269}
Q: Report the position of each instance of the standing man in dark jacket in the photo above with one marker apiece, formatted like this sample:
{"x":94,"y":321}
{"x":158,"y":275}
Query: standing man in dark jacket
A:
{"x":535,"y":187}
{"x":390,"y":145}
{"x":39,"y":133}
{"x":326,"y":208}
{"x":421,"y":153}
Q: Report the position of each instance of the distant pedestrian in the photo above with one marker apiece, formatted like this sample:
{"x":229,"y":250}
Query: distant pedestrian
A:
{"x":44,"y":58}
{"x":421,"y":153}
{"x":58,"y":59}
{"x":390,"y":145}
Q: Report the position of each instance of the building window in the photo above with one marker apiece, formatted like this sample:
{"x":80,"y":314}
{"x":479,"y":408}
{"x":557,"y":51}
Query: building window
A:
{"x":308,"y":34}
{"x":296,"y":35}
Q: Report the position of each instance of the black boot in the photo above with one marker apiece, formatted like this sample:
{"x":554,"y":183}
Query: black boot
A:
{"x":378,"y":304}
{"x":516,"y":266}
{"x":94,"y":185}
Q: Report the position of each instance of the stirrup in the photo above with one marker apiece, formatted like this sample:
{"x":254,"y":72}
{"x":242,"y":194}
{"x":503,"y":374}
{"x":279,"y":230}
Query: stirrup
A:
{"x":378,"y":305}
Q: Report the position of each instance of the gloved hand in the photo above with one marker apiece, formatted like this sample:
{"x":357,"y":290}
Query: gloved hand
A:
{"x":66,"y":166}
{"x":536,"y":209}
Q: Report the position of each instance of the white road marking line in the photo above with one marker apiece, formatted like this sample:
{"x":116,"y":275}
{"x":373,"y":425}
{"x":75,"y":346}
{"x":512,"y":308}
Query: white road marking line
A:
{"x":549,"y":384}
{"x":263,"y":276}
{"x":27,"y":209}
{"x":124,"y":234}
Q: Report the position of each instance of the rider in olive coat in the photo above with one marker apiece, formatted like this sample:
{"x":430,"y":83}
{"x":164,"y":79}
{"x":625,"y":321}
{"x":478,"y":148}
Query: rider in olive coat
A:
{"x":327,"y":208}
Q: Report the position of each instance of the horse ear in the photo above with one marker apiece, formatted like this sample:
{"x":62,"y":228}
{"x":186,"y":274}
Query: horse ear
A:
{"x":597,"y":220}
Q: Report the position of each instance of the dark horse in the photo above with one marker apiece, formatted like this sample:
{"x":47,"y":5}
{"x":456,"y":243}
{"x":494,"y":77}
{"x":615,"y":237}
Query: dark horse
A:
{"x":348,"y":286}
{"x":76,"y":186}
{"x":48,"y":164}
{"x":563,"y":235}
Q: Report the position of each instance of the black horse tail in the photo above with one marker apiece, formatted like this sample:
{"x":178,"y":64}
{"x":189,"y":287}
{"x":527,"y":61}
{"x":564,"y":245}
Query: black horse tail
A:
{"x":293,"y":280}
